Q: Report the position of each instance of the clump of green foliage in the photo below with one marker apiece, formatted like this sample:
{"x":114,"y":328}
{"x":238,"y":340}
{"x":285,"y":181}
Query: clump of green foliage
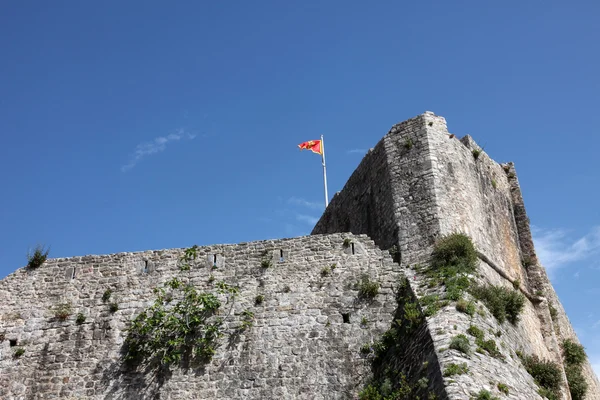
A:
{"x":553,"y":312}
{"x":475,"y":332}
{"x":573,"y":353}
{"x":453,"y":258}
{"x":503,"y":388}
{"x":408,"y":143}
{"x":431,"y":304}
{"x":182,"y":323}
{"x":106,"y":295}
{"x":364,"y":321}
{"x":367,"y":289}
{"x":455,"y":251}
{"x":476,"y":153}
{"x":113,"y":307}
{"x":456,"y":369}
{"x":247,"y":320}
{"x":19,"y":351}
{"x":258,"y":300}
{"x":366,"y":349}
{"x":503,"y":303}
{"x":494,"y":184}
{"x":325,"y":271}
{"x":460,"y":343}
{"x":484,"y":395}
{"x":545,"y":373}
{"x":574,"y":357}
{"x":389,"y":380}
{"x":266,"y":263}
{"x":80,"y":319}
{"x":189,"y":255}
{"x":62,"y":311}
{"x":467,"y":307}
{"x":36,"y":258}
{"x":488,"y":346}
{"x":347,"y":242}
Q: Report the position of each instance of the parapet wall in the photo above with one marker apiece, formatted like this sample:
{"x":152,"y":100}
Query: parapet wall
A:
{"x":304,"y":344}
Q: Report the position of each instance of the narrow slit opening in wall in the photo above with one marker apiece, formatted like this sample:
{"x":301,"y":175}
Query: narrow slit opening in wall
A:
{"x":346,"y":318}
{"x":281,"y":259}
{"x":13,"y":342}
{"x":352,"y":244}
{"x":215,"y":260}
{"x":145,"y":266}
{"x":73,"y":273}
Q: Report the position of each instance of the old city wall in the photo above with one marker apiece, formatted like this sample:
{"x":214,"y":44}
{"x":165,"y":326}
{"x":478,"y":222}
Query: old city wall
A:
{"x":304,"y":343}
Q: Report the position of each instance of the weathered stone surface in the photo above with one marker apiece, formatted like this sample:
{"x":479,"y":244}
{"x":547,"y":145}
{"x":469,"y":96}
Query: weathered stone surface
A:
{"x":417,"y":184}
{"x":435,"y":185}
{"x":299,"y":346}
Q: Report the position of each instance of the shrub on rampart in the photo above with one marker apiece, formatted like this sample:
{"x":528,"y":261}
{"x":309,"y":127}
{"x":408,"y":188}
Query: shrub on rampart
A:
{"x":574,"y":356}
{"x":503,"y":303}
{"x":38,"y":257}
{"x":547,"y":375}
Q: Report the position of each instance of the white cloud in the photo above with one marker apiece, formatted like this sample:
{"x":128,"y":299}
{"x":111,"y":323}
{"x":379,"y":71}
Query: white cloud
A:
{"x":155,"y":146}
{"x":356,"y":151}
{"x":297,"y":201}
{"x":556,"y":249}
{"x":307,"y":218}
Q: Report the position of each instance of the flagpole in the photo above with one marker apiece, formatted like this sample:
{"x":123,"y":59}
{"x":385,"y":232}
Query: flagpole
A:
{"x":324,"y":171}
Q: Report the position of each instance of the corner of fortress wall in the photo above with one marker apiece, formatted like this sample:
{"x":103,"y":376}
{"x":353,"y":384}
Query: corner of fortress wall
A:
{"x":435,"y":186}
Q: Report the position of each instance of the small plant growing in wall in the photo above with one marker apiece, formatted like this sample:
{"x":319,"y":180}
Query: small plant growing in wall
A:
{"x":365,"y":349}
{"x":326,"y":271}
{"x":367,"y":289}
{"x":494,"y":184}
{"x":503,"y":303}
{"x":460,"y":343}
{"x":408,"y":144}
{"x":106,"y":295}
{"x":364,"y":322}
{"x":113,"y":307}
{"x":211,"y":278}
{"x":258,"y":300}
{"x":265,"y":263}
{"x":476,"y":153}
{"x":467,"y":307}
{"x":484,"y":395}
{"x":62,"y":311}
{"x":347,"y":242}
{"x":19,"y":351}
{"x":247,"y":320}
{"x":503,"y":388}
{"x":36,"y":258}
{"x":456,"y":369}
{"x":80,"y":319}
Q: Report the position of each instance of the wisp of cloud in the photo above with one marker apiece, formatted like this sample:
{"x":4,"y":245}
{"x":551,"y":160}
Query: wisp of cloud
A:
{"x":155,"y":146}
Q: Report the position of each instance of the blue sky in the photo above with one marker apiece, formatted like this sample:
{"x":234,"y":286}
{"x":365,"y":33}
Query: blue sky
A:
{"x":135,"y":125}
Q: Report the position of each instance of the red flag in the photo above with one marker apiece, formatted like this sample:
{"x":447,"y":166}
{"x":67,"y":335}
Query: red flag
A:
{"x":313,"y":145}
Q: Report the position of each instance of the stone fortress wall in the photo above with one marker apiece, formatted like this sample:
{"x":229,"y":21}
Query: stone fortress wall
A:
{"x":439,"y":187}
{"x":304,"y":343}
{"x":416,"y":185}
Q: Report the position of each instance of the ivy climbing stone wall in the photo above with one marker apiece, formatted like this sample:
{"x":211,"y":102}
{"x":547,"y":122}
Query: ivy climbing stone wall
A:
{"x":304,"y":343}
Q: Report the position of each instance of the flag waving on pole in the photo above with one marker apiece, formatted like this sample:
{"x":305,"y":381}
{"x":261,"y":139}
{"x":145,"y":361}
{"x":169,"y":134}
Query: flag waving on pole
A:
{"x":317,"y":146}
{"x":314,"y":145}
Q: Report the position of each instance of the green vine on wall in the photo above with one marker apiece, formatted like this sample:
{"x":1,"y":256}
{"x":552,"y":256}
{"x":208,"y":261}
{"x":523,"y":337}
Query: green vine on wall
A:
{"x":181,"y":325}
